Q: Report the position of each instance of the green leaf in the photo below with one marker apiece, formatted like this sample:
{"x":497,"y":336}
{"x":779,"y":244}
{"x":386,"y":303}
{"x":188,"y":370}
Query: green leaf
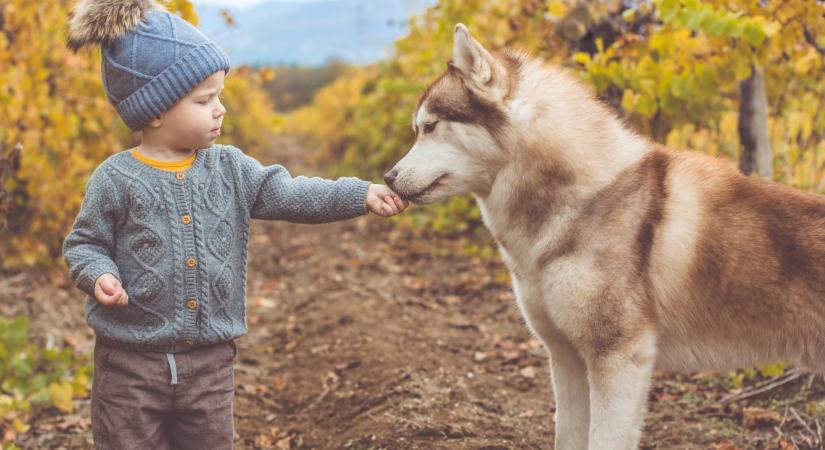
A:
{"x":753,"y":34}
{"x":715,"y":26}
{"x":668,"y":10}
{"x":735,"y":27}
{"x":646,"y":105}
{"x":694,"y":18}
{"x":628,"y":100}
{"x":774,"y":369}
{"x":18,"y":333}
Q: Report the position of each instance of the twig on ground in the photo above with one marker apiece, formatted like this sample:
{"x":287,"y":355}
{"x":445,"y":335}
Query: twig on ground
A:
{"x":762,"y":388}
{"x":320,"y":397}
{"x":811,"y":381}
{"x":814,"y":439}
{"x":799,"y":419}
{"x":784,"y":417}
{"x":786,"y":437}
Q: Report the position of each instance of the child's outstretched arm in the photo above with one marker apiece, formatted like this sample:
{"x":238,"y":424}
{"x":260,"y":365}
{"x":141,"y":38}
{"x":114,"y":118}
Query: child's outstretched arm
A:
{"x":272,"y":193}
{"x":87,"y":248}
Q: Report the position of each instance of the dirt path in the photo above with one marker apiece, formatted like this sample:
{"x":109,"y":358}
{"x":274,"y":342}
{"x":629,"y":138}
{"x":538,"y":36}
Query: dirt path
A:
{"x":361,"y":336}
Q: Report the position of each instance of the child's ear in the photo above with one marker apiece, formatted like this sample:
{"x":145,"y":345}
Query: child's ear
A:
{"x":156,"y":122}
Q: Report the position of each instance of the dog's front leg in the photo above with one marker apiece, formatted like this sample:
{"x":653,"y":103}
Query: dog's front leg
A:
{"x":619,"y":384}
{"x":572,"y":395}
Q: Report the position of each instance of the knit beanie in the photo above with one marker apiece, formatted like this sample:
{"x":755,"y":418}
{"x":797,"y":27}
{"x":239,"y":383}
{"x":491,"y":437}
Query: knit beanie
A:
{"x":151,"y":58}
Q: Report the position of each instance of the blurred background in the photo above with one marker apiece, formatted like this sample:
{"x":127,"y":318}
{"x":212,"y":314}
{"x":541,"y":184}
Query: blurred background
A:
{"x":336,"y":81}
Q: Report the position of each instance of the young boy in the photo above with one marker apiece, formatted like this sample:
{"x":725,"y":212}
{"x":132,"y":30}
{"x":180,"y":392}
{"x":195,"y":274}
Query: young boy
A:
{"x":160,"y":242}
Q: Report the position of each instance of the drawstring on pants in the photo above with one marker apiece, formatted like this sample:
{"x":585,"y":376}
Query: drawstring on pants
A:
{"x":172,"y":367}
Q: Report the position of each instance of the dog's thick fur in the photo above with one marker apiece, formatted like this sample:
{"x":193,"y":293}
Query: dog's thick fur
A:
{"x":624,"y":255}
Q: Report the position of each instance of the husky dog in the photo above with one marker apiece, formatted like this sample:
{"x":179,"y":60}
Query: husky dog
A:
{"x":625,"y":256}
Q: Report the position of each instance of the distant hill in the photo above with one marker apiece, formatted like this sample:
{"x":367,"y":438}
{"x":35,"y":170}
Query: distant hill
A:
{"x":310,"y":33}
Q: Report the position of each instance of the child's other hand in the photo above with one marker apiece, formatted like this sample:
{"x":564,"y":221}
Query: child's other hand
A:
{"x":109,"y":292}
{"x":383,"y":201}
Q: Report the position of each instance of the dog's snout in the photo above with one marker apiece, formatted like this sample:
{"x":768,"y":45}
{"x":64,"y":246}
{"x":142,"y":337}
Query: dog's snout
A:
{"x":390,"y":176}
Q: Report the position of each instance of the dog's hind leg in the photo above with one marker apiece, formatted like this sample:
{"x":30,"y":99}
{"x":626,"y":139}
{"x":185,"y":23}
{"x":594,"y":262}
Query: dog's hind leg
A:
{"x":619,"y":384}
{"x":572,"y":395}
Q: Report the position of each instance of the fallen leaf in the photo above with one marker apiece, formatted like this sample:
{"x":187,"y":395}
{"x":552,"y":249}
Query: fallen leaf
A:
{"x":753,"y":417}
{"x":528,"y":372}
{"x":270,"y":285}
{"x":283,"y":444}
{"x":510,"y":357}
{"x":263,"y":441}
{"x":703,"y":375}
{"x":724,"y":445}
{"x":452,"y":299}
{"x":506,"y":297}
{"x":279,"y":382}
{"x":415,"y":283}
{"x":264,"y":302}
{"x":60,"y":395}
{"x":355,"y":262}
{"x":19,"y":426}
{"x":785,"y":445}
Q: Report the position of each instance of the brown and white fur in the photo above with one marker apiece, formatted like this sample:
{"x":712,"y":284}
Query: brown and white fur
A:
{"x":624,"y":255}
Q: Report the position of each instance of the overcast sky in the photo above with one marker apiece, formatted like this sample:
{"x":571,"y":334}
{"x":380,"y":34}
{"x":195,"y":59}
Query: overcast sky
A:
{"x":307,"y":32}
{"x":248,"y":3}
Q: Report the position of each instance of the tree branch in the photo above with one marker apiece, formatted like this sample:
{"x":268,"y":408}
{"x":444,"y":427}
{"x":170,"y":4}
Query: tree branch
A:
{"x":811,"y":40}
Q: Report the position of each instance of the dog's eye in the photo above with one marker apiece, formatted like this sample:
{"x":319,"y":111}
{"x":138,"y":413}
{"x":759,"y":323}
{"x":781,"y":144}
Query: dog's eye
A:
{"x":429,"y":127}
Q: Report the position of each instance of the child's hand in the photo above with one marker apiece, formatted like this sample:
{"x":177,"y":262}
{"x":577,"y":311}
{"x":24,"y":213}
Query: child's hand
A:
{"x":383,"y":201}
{"x":108,"y":291}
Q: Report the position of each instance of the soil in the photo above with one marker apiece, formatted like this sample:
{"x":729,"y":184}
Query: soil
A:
{"x":368,"y":335}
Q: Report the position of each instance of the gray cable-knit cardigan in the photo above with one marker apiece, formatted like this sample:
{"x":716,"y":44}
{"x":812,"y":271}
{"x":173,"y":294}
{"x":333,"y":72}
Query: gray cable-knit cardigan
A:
{"x":178,"y":242}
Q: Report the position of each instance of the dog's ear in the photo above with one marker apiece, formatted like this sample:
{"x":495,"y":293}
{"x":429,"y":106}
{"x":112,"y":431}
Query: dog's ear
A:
{"x":477,"y":65}
{"x":470,"y":58}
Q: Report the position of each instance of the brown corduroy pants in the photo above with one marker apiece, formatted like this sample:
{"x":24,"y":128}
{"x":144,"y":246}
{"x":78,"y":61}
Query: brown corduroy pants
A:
{"x":163,"y":401}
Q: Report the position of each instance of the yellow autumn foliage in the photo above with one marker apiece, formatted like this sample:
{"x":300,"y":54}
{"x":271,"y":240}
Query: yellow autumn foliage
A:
{"x":52,"y":103}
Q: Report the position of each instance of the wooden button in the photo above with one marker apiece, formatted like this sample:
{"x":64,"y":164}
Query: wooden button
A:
{"x":188,"y":343}
{"x":180,"y":175}
{"x":192,"y":303}
{"x":191,"y":262}
{"x":186,"y":219}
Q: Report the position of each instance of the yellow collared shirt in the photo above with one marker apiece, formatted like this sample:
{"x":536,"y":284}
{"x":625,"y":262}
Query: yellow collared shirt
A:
{"x":169,"y":166}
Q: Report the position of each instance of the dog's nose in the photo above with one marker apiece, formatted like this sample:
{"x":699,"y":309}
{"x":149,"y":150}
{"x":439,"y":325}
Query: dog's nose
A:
{"x":389,"y":177}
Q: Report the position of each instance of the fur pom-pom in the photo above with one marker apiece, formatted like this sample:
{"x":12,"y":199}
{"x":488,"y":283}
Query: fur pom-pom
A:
{"x":103,"y":21}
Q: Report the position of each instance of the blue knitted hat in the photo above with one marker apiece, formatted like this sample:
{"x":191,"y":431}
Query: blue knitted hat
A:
{"x":151,"y":58}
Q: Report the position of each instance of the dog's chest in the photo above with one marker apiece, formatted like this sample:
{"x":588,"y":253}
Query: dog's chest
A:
{"x":522,"y":248}
{"x":522,"y":253}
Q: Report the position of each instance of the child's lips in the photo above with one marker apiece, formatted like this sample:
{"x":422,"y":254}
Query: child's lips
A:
{"x":216,"y":131}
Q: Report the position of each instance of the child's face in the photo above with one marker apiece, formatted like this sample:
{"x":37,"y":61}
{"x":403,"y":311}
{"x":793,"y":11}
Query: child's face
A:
{"x":195,"y":120}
